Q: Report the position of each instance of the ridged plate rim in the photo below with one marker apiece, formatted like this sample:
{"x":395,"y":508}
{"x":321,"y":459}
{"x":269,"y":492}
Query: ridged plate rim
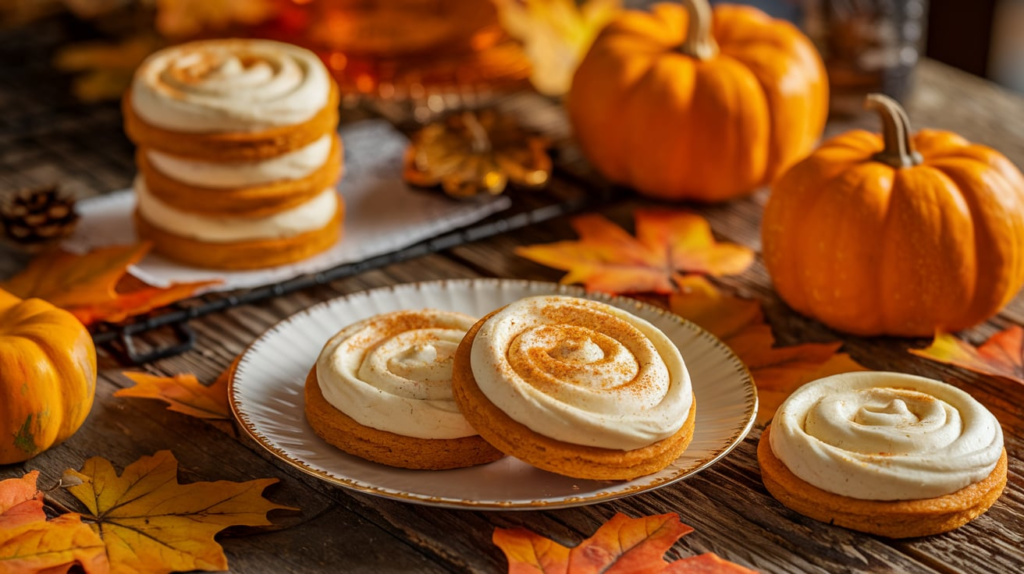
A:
{"x":253,"y":431}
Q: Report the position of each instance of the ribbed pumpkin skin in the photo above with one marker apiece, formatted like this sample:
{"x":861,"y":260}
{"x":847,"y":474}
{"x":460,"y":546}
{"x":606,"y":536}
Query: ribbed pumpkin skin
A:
{"x":679,"y":128}
{"x":47,"y":376}
{"x":872,"y":250}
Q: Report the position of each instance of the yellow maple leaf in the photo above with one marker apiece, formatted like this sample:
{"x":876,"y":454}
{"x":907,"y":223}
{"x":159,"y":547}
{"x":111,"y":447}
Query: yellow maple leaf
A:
{"x":153,"y":525}
{"x":607,"y":258}
{"x":556,"y":34}
{"x":777,"y":371}
{"x":30,"y":543}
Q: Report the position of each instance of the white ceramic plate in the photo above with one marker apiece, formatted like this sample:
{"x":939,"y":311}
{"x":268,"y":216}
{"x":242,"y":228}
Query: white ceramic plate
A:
{"x":266,"y":396}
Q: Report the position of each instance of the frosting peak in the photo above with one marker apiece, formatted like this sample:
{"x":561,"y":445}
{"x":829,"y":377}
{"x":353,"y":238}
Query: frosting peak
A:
{"x":886,"y":436}
{"x":230,"y":86}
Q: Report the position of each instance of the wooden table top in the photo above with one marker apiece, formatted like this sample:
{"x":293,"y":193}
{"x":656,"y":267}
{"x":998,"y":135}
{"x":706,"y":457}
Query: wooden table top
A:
{"x":339,"y":531}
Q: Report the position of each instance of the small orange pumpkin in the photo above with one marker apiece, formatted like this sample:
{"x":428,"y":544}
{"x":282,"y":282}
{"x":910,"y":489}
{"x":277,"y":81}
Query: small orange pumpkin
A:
{"x":47,"y":376}
{"x":897,"y":235}
{"x":683,"y":104}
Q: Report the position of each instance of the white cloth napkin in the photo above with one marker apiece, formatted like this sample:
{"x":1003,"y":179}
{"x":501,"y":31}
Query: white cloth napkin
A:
{"x":382,"y":214}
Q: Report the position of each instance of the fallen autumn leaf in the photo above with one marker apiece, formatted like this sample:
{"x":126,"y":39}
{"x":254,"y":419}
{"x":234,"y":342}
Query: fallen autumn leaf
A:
{"x":153,"y":525}
{"x":29,"y":543}
{"x":96,"y":286}
{"x":606,"y":258}
{"x":777,"y":371}
{"x":1002,"y":355}
{"x":182,"y":393}
{"x":621,"y":545}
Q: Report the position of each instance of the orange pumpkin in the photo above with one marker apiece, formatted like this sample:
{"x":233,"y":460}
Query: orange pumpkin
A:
{"x":681,"y":104}
{"x":897,"y":235}
{"x":47,"y":376}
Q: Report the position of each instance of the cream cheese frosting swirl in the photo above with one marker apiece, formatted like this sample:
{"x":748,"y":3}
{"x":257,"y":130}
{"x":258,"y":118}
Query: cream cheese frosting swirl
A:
{"x":393,"y":372}
{"x":886,"y":436}
{"x":292,"y":165}
{"x":313,"y":214}
{"x":582,"y":372}
{"x":230,"y":86}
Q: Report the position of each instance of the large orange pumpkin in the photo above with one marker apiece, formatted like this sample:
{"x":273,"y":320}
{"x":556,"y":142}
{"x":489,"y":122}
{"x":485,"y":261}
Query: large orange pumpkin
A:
{"x":897,"y":235}
{"x":47,"y":376}
{"x":682,"y":104}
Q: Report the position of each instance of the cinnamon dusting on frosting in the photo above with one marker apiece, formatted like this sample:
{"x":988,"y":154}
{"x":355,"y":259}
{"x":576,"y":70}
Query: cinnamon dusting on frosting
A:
{"x":582,"y":372}
{"x":230,"y":86}
{"x":393,"y":372}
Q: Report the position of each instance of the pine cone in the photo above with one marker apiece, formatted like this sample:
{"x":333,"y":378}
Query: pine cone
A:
{"x":37,"y":216}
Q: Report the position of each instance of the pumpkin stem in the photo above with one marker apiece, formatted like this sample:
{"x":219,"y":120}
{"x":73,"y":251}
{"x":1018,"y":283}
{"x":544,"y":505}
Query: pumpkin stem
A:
{"x":899,"y":148}
{"x":699,"y":42}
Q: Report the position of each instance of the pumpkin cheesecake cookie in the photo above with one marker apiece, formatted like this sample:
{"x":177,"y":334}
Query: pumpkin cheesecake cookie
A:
{"x":381,"y":390}
{"x":575,"y":387}
{"x":884,"y":453}
{"x":230,"y":100}
{"x":237,"y":152}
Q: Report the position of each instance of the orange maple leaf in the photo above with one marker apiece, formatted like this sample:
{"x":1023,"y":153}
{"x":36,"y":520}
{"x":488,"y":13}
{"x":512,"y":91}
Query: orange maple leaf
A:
{"x":68,"y":280}
{"x":777,"y":371}
{"x":153,"y":525}
{"x":29,"y":543}
{"x":182,"y":393}
{"x":607,"y":258}
{"x":96,"y":286}
{"x":1002,"y":355}
{"x":20,"y":501}
{"x":621,"y":545}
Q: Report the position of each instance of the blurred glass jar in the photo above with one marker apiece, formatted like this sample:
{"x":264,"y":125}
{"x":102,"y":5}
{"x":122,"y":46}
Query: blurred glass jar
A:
{"x":400,"y":49}
{"x":868,"y":46}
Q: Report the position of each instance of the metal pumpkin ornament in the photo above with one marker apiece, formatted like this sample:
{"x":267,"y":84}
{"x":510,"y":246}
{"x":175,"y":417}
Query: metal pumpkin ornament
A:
{"x":895,"y":234}
{"x":683,"y":103}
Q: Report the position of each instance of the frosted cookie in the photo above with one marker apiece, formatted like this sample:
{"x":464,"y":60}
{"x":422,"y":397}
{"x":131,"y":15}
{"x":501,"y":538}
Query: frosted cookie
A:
{"x":889,"y":454}
{"x":576,"y":387}
{"x":381,"y":390}
{"x":230,"y":100}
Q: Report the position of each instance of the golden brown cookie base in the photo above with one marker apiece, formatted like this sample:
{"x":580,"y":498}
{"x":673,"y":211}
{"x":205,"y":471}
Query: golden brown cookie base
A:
{"x":231,"y":146}
{"x":254,"y":202}
{"x":255,"y":254}
{"x":573,"y":460}
{"x":892,"y":519}
{"x":389,"y":448}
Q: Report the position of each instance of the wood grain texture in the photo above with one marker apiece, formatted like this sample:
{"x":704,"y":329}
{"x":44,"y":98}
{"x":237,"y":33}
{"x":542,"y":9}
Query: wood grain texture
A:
{"x":733,"y":514}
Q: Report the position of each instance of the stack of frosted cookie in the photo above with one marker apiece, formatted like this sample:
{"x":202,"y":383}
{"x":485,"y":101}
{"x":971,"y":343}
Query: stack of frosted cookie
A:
{"x":238,"y":153}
